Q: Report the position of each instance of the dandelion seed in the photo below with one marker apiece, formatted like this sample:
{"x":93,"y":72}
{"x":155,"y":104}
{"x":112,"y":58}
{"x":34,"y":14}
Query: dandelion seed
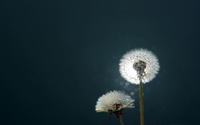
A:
{"x":138,"y":67}
{"x":133,"y":60}
{"x":114,"y":102}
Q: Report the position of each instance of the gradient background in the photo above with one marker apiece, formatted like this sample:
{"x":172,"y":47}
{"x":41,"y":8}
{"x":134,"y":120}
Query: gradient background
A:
{"x":58,"y":57}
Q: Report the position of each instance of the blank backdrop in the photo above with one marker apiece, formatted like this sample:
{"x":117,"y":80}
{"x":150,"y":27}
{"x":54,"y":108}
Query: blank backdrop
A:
{"x":58,"y":57}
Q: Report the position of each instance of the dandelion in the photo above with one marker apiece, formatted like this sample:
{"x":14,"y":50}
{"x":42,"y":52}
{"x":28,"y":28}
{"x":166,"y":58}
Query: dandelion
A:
{"x":114,"y":102}
{"x":139,"y":62}
{"x":138,"y":67}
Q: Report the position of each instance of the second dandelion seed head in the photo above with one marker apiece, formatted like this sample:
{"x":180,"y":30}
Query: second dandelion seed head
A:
{"x":114,"y":101}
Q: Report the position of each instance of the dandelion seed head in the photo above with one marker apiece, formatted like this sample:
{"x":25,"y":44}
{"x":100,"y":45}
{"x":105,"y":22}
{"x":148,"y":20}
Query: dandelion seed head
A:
{"x":134,"y":59}
{"x":114,"y":101}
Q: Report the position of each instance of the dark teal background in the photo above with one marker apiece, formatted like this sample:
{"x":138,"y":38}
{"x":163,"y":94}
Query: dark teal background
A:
{"x":57,"y":57}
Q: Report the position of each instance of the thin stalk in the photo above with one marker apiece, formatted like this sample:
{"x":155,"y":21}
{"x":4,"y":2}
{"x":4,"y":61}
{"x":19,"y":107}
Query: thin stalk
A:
{"x":121,"y":122}
{"x":141,"y":102}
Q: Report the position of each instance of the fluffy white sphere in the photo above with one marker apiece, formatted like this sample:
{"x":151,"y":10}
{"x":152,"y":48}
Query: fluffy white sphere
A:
{"x":108,"y":102}
{"x":130,"y":58}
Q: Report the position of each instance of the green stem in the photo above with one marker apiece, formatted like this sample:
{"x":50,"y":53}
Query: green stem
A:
{"x":141,"y":102}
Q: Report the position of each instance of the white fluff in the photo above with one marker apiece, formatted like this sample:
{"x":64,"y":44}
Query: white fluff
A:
{"x":129,"y":73}
{"x":107,"y":101}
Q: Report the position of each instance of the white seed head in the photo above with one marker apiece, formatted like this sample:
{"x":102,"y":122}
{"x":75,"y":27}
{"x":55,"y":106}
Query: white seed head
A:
{"x":110,"y":100}
{"x":129,"y":73}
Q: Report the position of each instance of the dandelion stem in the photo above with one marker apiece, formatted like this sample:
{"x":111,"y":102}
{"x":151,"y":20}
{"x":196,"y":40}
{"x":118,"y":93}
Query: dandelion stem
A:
{"x":121,"y":122}
{"x":141,"y":102}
